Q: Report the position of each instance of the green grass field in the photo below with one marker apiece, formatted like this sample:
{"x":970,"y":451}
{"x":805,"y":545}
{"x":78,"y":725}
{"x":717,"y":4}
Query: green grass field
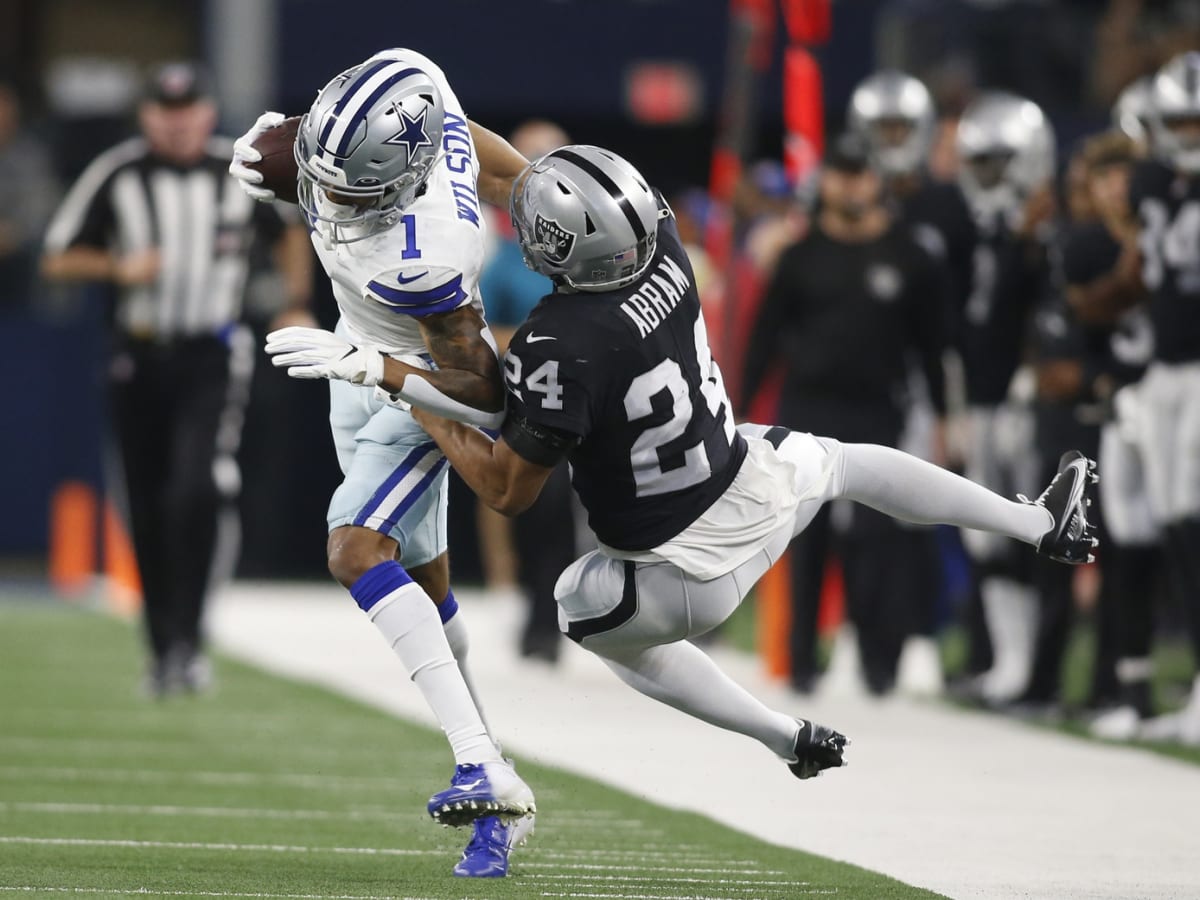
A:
{"x":271,"y":789}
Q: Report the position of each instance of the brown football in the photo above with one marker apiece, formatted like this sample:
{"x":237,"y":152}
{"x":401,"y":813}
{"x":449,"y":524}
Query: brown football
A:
{"x":278,"y":163}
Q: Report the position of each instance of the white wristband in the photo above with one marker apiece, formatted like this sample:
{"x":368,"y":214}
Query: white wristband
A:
{"x":420,"y":393}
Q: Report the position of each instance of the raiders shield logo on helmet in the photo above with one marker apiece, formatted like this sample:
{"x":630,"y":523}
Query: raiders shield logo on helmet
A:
{"x":556,"y":241}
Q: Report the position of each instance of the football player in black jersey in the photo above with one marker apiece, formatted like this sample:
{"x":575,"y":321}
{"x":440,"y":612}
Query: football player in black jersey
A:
{"x":895,"y":113}
{"x":612,"y":372}
{"x":1006,"y":152}
{"x":1165,"y":197}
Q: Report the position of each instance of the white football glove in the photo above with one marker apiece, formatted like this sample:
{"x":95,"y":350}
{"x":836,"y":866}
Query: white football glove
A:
{"x":315,"y":353}
{"x":244,"y":152}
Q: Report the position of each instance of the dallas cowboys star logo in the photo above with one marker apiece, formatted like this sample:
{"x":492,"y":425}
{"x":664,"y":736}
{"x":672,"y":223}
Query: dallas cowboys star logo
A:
{"x":412,"y":131}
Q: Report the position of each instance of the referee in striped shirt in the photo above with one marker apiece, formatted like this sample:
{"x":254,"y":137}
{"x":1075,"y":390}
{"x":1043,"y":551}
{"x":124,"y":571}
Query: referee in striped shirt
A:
{"x":159,"y":218}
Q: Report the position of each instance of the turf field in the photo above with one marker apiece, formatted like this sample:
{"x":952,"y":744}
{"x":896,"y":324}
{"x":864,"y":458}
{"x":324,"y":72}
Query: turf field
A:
{"x":276,"y":790}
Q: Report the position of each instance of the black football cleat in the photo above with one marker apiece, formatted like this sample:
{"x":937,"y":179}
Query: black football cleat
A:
{"x":1072,"y":538}
{"x":817,"y":748}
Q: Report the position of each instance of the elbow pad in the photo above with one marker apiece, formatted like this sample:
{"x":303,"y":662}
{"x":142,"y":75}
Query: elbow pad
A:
{"x":417,"y":391}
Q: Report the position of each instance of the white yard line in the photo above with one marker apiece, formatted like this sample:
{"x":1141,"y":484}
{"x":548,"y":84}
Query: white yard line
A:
{"x":967,"y":805}
{"x":157,"y":892}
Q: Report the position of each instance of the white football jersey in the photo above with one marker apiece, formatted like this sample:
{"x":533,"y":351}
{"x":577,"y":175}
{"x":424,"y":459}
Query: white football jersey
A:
{"x":429,"y":261}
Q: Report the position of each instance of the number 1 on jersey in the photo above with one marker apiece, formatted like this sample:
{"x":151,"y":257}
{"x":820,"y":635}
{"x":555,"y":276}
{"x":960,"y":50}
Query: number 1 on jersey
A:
{"x":409,"y":224}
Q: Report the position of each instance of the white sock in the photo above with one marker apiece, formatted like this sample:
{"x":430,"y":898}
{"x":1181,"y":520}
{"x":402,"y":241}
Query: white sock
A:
{"x":908,"y":488}
{"x":1011,"y":610}
{"x":409,"y":622}
{"x":460,"y":645}
{"x":681,"y":675}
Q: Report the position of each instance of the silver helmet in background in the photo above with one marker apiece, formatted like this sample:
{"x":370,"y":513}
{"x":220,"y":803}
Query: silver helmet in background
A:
{"x":1006,"y":151}
{"x":1133,"y":113}
{"x":586,"y":218}
{"x":366,"y":146}
{"x":1175,"y":99}
{"x":895,"y":113}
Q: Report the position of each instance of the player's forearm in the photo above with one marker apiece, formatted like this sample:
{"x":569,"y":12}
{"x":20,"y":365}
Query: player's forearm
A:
{"x":499,"y":165}
{"x":472,"y":454}
{"x":79,"y":264}
{"x":451,"y":393}
{"x":293,"y":259}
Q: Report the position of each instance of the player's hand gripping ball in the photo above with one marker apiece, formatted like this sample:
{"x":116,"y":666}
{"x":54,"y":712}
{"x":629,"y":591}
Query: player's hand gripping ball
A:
{"x":264,"y":162}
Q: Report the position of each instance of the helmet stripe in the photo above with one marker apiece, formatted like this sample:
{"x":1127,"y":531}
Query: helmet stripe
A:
{"x":354,"y":105}
{"x":608,"y":184}
{"x":331,"y":120}
{"x":363,"y":110}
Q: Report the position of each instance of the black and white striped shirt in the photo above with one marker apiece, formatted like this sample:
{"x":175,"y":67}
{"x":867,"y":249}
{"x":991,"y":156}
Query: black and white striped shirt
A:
{"x":201,"y":223}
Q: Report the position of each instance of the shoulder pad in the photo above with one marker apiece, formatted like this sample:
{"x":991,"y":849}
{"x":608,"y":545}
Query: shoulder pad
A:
{"x":418,"y":290}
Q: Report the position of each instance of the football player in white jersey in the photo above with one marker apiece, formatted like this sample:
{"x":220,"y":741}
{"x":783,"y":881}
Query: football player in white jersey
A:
{"x":390,"y":182}
{"x":613,"y":372}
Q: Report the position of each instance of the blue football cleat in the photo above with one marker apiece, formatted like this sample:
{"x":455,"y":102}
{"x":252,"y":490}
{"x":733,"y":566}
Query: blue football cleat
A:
{"x":479,"y":790}
{"x":486,"y":855}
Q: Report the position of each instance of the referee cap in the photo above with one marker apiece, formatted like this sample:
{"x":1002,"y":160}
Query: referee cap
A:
{"x":178,"y":83}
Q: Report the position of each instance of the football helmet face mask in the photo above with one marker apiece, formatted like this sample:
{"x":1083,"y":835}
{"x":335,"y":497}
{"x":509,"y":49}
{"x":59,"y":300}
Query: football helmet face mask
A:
{"x":1175,"y":120}
{"x":366,"y":147}
{"x":1006,"y":148}
{"x":585,"y":218}
{"x":895,"y":113}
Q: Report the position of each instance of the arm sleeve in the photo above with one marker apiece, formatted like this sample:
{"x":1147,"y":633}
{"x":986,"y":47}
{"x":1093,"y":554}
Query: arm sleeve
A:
{"x":764,"y":339}
{"x":419,"y":290}
{"x":540,"y":446}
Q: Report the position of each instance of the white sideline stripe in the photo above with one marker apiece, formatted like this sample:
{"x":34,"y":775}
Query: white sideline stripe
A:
{"x":667,"y":897}
{"x":233,"y":812}
{"x":686,"y":871}
{"x":753,"y":882}
{"x":159,"y":892}
{"x":166,"y":776}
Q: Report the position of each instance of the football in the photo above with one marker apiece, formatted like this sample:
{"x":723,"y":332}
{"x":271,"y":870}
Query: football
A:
{"x":278,"y":163}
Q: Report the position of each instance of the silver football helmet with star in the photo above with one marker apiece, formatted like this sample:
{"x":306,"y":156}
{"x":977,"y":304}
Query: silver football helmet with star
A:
{"x":895,"y":113}
{"x":1006,"y":151}
{"x":1175,"y":102}
{"x":586,"y":218}
{"x":366,"y":146}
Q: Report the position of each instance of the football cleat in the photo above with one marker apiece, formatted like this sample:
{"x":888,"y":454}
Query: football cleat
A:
{"x":1072,"y":538}
{"x":478,"y":790}
{"x":486,"y":855}
{"x":817,"y":748}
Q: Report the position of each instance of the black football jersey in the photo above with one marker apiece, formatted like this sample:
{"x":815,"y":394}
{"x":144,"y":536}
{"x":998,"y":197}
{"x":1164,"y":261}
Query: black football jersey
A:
{"x":1168,"y":210}
{"x":1120,"y":351}
{"x":629,"y":375}
{"x":938,"y":216}
{"x":1010,"y":278}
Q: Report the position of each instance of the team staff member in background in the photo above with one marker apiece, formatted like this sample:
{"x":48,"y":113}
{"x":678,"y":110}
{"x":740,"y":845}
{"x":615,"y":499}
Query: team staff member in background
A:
{"x":159,"y":218}
{"x":1006,"y":151}
{"x":544,"y":533}
{"x":847,"y":306}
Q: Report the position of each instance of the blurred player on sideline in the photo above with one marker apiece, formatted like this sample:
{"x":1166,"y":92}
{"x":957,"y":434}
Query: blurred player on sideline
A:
{"x":613,"y":372}
{"x":1163,"y":409}
{"x":390,"y":178}
{"x":1007,"y":153}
